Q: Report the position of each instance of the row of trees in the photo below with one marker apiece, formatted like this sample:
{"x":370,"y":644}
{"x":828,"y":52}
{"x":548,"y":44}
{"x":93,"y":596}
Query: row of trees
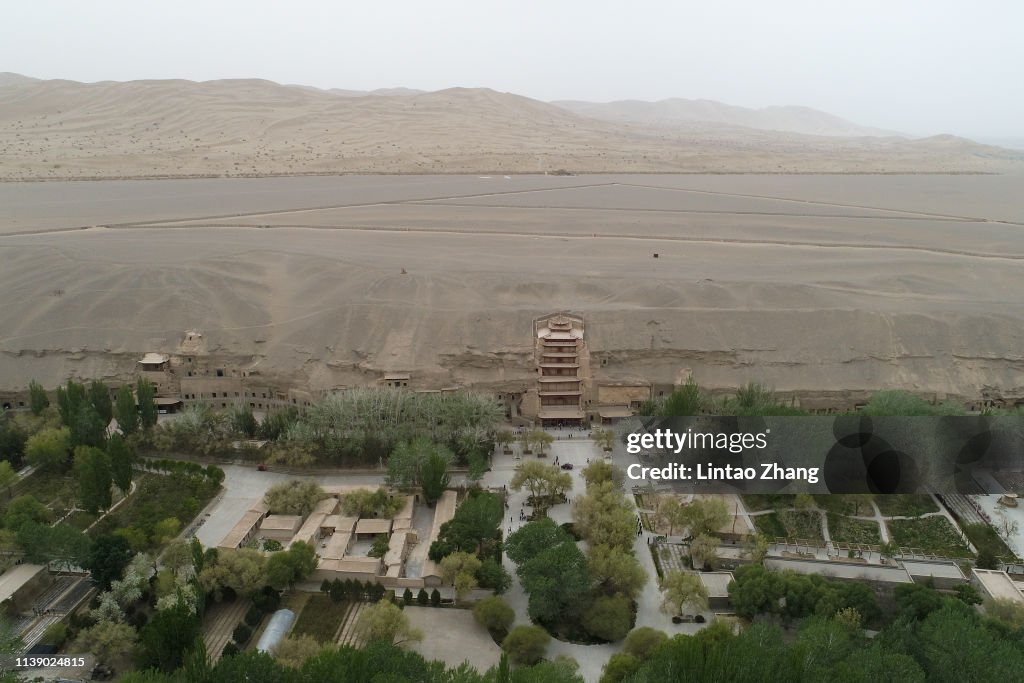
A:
{"x":931,"y":638}
{"x":754,"y":399}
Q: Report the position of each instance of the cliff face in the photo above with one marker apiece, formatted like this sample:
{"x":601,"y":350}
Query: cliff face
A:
{"x":444,"y":281}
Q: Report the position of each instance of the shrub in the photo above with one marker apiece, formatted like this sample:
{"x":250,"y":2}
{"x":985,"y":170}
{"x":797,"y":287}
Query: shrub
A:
{"x":254,"y":616}
{"x":494,"y":614}
{"x":641,"y":642}
{"x":55,"y":634}
{"x":242,"y":634}
{"x":609,"y":618}
{"x":526,"y":644}
{"x":435,"y":598}
{"x":407,"y":597}
{"x":422,"y":597}
{"x":620,"y":666}
{"x":493,"y":576}
{"x":230,"y":650}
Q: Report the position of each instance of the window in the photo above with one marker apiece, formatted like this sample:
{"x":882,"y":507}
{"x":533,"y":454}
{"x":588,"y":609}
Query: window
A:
{"x":220,"y":372}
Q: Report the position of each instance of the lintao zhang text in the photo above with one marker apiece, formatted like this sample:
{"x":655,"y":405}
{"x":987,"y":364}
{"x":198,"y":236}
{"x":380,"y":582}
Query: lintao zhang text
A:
{"x":766,"y":471}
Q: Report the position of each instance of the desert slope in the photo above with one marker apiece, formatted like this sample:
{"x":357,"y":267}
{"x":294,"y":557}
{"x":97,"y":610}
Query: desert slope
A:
{"x":675,"y":111}
{"x":175,"y":128}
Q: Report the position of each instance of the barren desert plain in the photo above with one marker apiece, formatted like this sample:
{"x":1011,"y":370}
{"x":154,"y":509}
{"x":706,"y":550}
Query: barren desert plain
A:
{"x":810,"y":283}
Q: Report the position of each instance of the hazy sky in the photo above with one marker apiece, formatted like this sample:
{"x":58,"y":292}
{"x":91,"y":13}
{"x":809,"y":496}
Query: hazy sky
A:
{"x":919,"y":66}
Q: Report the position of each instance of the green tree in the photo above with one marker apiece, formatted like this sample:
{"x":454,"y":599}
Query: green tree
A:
{"x":48,"y":448}
{"x":604,"y":516}
{"x":534,"y":538}
{"x":61,"y":544}
{"x":526,"y":644}
{"x":26,"y":508}
{"x":706,"y":516}
{"x":671,"y":513}
{"x":7,"y":476}
{"x":37,"y":398}
{"x":385,"y":621}
{"x":493,"y":576}
{"x":294,"y":497}
{"x":434,"y":477}
{"x":166,"y":638}
{"x":106,"y":640}
{"x":380,"y":547}
{"x":546,"y":483}
{"x":459,"y":570}
{"x":600,"y":471}
{"x":409,"y":458}
{"x":620,"y":666}
{"x":122,"y":459}
{"x":99,"y":397}
{"x":107,"y":559}
{"x":125,"y":410}
{"x":615,"y":570}
{"x":704,"y":552}
{"x":92,"y":470}
{"x":87,"y":427}
{"x":680,"y":589}
{"x":609,"y":617}
{"x":293,"y":651}
{"x":556,"y":581}
{"x":145,"y":395}
{"x":494,"y":614}
{"x":242,"y":570}
{"x":291,"y":566}
{"x":686,"y":400}
{"x":70,"y":398}
{"x":243,"y":421}
{"x":605,"y":440}
{"x":643,"y":641}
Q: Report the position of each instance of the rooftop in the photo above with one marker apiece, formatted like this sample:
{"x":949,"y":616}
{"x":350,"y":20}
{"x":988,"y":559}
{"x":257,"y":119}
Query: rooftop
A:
{"x":154,"y":359}
{"x":281,"y":522}
{"x":373,"y":526}
{"x":238,"y":533}
{"x":17,"y":576}
{"x":998,"y":584}
{"x":840,"y":570}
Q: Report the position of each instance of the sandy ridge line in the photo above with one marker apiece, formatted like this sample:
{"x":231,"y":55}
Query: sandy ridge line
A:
{"x":566,"y":235}
{"x":221,"y":176}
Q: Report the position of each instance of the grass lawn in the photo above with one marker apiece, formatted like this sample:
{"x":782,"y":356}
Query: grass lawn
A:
{"x":906,"y":505}
{"x":931,"y":534}
{"x":321,"y":618}
{"x":769,"y":525}
{"x":846,"y":530}
{"x":755,"y":502}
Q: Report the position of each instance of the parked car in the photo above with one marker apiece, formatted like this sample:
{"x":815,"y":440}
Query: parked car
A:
{"x":261,"y":467}
{"x":567,"y":466}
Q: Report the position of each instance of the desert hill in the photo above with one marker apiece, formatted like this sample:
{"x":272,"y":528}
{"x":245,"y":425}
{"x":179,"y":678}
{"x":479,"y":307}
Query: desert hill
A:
{"x":675,"y":111}
{"x":178,"y":128}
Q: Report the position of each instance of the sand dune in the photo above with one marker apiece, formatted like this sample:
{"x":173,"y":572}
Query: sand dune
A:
{"x":64,"y":129}
{"x":677,"y":111}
